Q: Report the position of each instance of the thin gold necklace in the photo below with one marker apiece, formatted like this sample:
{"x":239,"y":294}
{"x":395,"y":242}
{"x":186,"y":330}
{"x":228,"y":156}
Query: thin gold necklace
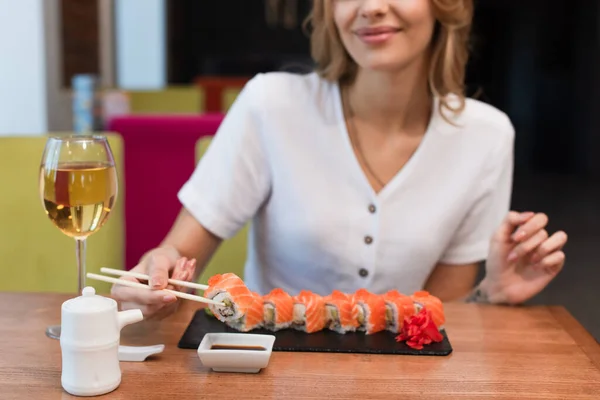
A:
{"x":354,"y":140}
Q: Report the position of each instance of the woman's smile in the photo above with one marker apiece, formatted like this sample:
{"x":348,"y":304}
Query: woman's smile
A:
{"x":377,"y":35}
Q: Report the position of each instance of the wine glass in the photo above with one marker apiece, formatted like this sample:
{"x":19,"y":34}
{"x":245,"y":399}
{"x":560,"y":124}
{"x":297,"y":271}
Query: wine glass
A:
{"x":78,"y":188}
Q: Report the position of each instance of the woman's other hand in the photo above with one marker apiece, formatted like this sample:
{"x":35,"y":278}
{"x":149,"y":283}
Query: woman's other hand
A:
{"x":523,"y":258}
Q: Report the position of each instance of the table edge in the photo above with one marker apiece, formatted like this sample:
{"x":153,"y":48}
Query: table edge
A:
{"x":586,"y":342}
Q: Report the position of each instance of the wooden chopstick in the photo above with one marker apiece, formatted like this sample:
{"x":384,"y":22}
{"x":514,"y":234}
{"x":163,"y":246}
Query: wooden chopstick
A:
{"x":142,"y":286}
{"x":138,"y":275}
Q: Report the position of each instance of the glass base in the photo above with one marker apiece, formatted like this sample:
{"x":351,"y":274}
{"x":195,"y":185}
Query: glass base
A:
{"x":53,"y":332}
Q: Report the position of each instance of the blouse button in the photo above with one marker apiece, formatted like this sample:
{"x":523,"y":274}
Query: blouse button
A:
{"x":372,"y":209}
{"x":368,"y":239}
{"x":363,"y":272}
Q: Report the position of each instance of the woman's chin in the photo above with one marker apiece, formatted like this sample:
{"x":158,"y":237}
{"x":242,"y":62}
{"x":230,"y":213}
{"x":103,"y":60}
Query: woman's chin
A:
{"x":388,"y":63}
{"x":382,"y":67}
{"x":385,"y":65}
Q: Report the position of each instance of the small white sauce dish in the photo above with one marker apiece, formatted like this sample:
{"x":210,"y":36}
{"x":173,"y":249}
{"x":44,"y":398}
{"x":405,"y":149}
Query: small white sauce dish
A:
{"x":236,"y":352}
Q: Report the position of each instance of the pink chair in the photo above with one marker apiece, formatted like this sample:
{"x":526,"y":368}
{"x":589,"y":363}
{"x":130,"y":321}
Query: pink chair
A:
{"x":159,"y":155}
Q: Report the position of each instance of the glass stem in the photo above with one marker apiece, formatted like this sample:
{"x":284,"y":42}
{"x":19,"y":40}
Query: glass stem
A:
{"x":80,"y":254}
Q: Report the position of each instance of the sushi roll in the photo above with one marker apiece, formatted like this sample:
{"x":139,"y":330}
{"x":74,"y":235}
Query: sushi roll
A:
{"x":422,"y":299}
{"x":309,"y":312}
{"x":252,"y":318}
{"x":229,"y":289}
{"x":278,"y":310}
{"x":341,"y":312}
{"x":371,"y":311}
{"x":397,"y":307}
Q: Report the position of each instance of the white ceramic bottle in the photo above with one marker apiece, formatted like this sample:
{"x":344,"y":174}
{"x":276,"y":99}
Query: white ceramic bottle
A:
{"x":90,"y":335}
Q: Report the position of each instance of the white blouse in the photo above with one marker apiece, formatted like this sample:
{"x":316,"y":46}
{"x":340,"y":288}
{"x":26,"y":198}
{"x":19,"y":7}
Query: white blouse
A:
{"x":282,"y":159}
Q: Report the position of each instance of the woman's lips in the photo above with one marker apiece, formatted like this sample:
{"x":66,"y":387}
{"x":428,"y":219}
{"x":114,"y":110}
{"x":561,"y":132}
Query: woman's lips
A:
{"x":376,"y":35}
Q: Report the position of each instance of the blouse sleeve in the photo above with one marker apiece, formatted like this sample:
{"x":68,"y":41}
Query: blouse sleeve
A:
{"x":470,"y":242}
{"x":232,"y":179}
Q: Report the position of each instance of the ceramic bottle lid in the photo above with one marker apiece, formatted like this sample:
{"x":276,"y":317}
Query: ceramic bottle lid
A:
{"x":89,"y":302}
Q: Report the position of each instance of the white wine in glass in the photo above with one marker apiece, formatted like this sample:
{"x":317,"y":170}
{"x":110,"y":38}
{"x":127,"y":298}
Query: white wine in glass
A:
{"x":78,"y":187}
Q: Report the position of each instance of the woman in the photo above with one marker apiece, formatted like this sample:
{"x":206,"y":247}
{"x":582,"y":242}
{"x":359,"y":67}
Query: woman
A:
{"x":374,"y":171}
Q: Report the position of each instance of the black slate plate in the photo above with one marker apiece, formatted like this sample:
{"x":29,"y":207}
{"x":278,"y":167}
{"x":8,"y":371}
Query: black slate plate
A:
{"x":323,"y":341}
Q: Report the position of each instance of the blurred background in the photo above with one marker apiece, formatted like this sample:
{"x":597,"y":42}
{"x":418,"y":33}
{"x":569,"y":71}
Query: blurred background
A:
{"x":167,"y":70}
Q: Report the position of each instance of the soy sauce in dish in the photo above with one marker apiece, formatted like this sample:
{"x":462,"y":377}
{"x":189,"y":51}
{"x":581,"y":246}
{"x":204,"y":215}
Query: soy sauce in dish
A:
{"x":236,"y":347}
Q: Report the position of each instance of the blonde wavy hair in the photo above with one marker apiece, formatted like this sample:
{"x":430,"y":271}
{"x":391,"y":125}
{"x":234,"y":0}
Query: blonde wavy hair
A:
{"x":449,"y":49}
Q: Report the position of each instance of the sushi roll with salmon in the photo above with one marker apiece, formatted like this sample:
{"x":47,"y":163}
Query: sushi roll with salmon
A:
{"x":341,"y":312}
{"x":397,"y":307}
{"x":229,"y":289}
{"x":309,"y":312}
{"x":371,"y":311}
{"x":278,"y":310}
{"x":252,"y":318}
{"x":433,"y":304}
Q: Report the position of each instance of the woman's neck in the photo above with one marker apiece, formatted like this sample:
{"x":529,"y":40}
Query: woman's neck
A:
{"x":395,"y":103}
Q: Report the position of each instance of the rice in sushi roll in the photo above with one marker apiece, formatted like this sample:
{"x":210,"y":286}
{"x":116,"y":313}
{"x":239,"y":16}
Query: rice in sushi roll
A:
{"x":309,"y":312}
{"x":278,"y":310}
{"x":229,"y":289}
{"x":398,"y":306}
{"x":342,"y":312}
{"x":371,"y":311}
{"x":252,"y":318}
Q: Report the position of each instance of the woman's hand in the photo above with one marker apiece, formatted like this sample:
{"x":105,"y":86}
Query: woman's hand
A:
{"x":522,"y":258}
{"x":160,"y":264}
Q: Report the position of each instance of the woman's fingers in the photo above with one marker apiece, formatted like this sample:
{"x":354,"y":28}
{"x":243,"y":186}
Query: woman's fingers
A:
{"x":190,"y":267}
{"x":183,"y":271}
{"x":528,"y":246}
{"x":512,"y":220}
{"x":552,"y":263}
{"x":530,"y":228}
{"x":153,"y":302}
{"x":179,"y":273}
{"x":554,"y":243}
{"x":140,"y":296}
{"x":159,"y":266}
